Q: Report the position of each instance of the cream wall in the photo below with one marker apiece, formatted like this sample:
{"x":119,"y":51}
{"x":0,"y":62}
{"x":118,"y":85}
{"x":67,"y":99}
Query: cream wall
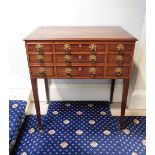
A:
{"x":27,"y":15}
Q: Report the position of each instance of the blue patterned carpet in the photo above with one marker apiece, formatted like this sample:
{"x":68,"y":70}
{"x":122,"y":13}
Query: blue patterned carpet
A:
{"x":81,"y":128}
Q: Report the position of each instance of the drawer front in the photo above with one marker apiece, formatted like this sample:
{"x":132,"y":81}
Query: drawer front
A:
{"x":41,"y":72}
{"x":40,"y":48}
{"x":40,"y":59}
{"x":120,"y":47}
{"x":117,"y":71}
{"x":81,"y":72}
{"x":79,"y":58}
{"x":118,"y":58}
{"x":76,"y":48}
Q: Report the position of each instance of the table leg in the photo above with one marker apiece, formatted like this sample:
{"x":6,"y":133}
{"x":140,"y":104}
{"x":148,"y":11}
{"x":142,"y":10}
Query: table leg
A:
{"x":124,"y":100}
{"x":36,"y":100}
{"x":47,"y":90}
{"x":112,"y":90}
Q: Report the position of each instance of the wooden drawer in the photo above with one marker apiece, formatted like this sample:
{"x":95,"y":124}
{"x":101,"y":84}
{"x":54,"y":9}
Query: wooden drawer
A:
{"x":39,"y":48}
{"x":80,"y":47}
{"x":80,"y":58}
{"x":118,"y":58}
{"x":41,"y":72}
{"x":114,"y":71}
{"x":41,"y":59}
{"x":127,"y":47}
{"x":80,"y":72}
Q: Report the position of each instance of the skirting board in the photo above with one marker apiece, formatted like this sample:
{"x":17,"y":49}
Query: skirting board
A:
{"x":76,"y":92}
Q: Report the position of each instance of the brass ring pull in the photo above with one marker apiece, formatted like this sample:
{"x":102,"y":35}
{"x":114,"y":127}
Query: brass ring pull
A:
{"x":67,"y":48}
{"x":118,"y":71}
{"x":92,"y":71}
{"x":40,"y":58}
{"x":120,"y":48}
{"x":68,"y":59}
{"x":42,"y":71}
{"x":68,"y":72}
{"x":92,"y":48}
{"x":92,"y":58}
{"x":40,"y":48}
{"x":119,"y":59}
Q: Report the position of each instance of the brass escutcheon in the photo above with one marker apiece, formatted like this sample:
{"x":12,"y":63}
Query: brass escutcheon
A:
{"x":40,"y":58}
{"x":92,"y":71}
{"x":120,"y":48}
{"x":68,"y":59}
{"x":40,"y":48}
{"x":118,"y":71}
{"x":92,"y":48}
{"x":119,"y":58}
{"x":67,"y":48}
{"x":42,"y":71}
{"x":92,"y":58}
{"x":68,"y":72}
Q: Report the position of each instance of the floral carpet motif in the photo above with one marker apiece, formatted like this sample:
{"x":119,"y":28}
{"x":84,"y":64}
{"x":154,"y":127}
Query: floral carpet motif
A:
{"x":81,"y":128}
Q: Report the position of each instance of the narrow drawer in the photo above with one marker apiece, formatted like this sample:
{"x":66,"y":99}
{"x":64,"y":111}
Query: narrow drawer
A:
{"x":41,"y":71}
{"x":118,"y":58}
{"x":117,"y":71}
{"x":40,"y":48}
{"x":75,"y":72}
{"x":80,"y":58}
{"x":41,"y":59}
{"x":79,"y":48}
{"x":120,"y":47}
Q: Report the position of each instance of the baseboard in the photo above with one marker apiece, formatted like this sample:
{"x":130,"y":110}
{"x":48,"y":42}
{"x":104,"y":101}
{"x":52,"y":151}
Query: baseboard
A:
{"x":77,"y":92}
{"x":137,"y":100}
{"x":115,"y":109}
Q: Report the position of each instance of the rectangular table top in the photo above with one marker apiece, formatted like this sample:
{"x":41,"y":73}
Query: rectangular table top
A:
{"x":105,"y":33}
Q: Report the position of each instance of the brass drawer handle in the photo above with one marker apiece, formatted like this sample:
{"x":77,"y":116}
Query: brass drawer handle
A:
{"x":92,"y":71}
{"x":92,"y":58}
{"x":68,"y":59}
{"x":40,"y":48}
{"x":120,"y":48}
{"x":40,"y":58}
{"x":68,"y":72}
{"x":119,"y":59}
{"x":118,"y":71}
{"x":67,"y":48}
{"x":92,"y":48}
{"x":42,"y":72}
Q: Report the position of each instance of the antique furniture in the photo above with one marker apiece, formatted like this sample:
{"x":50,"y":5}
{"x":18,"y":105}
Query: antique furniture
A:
{"x":80,"y":53}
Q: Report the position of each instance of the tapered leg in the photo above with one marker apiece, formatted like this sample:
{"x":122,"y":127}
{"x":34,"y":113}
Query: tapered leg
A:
{"x":47,"y":90}
{"x":36,"y":101}
{"x":124,"y":100}
{"x":112,"y":90}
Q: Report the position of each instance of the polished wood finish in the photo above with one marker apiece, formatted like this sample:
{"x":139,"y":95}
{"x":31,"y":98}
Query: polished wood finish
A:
{"x":64,"y":53}
{"x":80,"y":33}
{"x":47,"y":90}
{"x":36,"y":100}
{"x":112,"y":90}
{"x":124,"y":100}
